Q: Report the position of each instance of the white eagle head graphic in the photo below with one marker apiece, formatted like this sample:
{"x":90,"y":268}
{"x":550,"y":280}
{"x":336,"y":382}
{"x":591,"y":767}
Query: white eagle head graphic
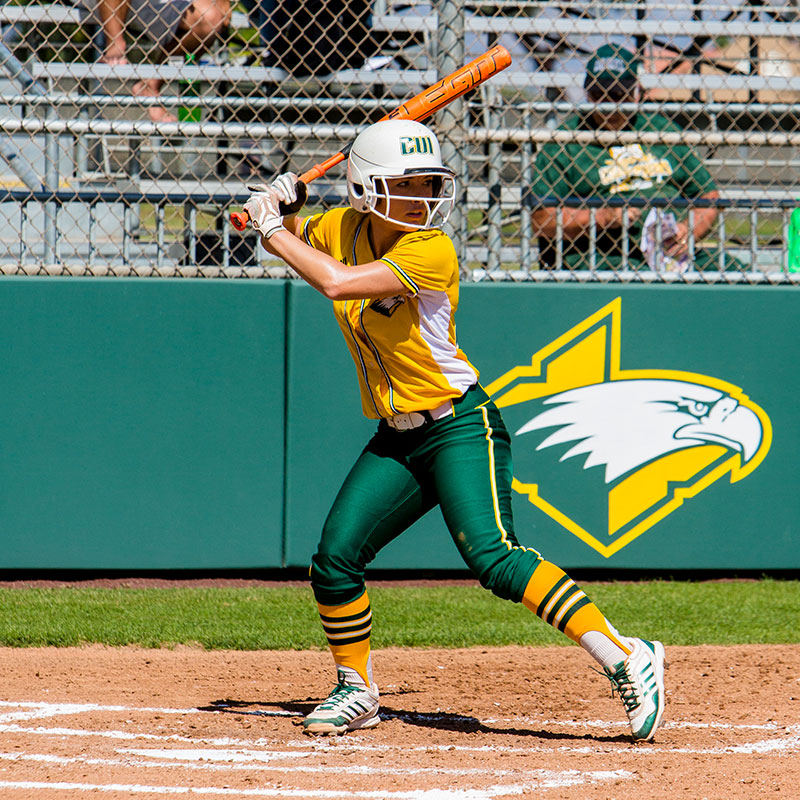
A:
{"x":625,"y":424}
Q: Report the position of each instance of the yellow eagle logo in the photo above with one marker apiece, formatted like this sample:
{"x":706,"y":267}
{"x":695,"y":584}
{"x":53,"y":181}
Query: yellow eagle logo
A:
{"x":635,"y":442}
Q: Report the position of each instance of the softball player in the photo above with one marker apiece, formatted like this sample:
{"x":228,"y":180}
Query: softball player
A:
{"x":393,"y":277}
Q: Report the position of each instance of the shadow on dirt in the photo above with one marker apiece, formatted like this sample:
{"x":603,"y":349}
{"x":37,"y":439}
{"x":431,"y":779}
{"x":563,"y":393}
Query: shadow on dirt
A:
{"x":257,"y":708}
{"x":443,"y":721}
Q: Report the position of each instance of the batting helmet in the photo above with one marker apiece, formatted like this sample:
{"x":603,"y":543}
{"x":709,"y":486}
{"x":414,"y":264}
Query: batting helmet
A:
{"x":398,"y":148}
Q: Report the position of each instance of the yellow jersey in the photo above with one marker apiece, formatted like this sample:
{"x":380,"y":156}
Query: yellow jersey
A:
{"x":404,"y":347}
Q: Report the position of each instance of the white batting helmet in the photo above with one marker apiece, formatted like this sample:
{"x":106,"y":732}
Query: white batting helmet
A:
{"x":397,"y":148}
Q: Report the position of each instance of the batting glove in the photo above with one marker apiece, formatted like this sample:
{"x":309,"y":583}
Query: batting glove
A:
{"x":285,"y":185}
{"x":263,"y":208}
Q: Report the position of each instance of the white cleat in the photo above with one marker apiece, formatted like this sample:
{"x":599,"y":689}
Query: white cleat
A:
{"x":639,"y":681}
{"x":347,"y":708}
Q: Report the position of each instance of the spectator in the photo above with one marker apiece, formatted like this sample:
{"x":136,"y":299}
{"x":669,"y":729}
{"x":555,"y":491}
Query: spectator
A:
{"x":676,"y":52}
{"x":626,"y":171}
{"x":316,"y":37}
{"x":178,"y":27}
{"x":307,"y":39}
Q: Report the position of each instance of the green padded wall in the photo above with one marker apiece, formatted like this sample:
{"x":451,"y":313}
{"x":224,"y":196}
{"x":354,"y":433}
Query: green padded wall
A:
{"x":178,"y":424}
{"x":143,"y":423}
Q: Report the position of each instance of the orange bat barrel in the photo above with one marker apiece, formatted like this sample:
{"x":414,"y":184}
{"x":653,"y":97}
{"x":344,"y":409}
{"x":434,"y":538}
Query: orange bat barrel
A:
{"x":419,"y":108}
{"x":430,"y":100}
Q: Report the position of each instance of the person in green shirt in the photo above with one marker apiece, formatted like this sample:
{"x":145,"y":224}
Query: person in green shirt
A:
{"x":626,"y":170}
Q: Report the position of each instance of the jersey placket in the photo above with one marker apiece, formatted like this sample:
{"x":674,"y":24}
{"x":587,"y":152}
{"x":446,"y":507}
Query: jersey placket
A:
{"x":361,"y":361}
{"x":376,"y":354}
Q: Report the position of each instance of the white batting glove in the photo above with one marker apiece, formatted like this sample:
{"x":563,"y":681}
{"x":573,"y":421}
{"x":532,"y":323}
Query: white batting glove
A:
{"x":285,"y":185}
{"x":264,"y":211}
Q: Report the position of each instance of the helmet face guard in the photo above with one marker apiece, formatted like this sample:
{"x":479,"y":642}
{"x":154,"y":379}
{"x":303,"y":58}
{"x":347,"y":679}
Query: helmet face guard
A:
{"x":438,"y":206}
{"x":391,"y":150}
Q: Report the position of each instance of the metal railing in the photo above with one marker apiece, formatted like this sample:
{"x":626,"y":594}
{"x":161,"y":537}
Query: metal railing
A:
{"x":94,"y":186}
{"x":189,"y":235}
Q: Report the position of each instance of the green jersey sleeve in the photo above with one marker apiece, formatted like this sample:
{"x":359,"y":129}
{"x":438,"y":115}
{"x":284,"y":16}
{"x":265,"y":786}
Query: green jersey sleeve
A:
{"x":551,"y":173}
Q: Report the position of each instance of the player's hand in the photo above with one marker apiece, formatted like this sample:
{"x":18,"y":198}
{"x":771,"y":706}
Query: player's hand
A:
{"x":679,"y":245}
{"x":286,"y":186}
{"x":264,"y":210}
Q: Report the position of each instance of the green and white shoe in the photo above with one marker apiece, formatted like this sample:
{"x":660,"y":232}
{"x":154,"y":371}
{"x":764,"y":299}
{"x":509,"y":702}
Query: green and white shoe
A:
{"x":639,"y":681}
{"x":347,"y":708}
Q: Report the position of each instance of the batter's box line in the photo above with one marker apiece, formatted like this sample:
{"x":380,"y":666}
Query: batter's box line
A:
{"x":548,"y":779}
{"x":784,"y":745}
{"x":775,"y":747}
{"x":253,"y":761}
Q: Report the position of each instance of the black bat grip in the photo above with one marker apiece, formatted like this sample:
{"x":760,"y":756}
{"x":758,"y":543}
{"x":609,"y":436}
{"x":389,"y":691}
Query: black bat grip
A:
{"x":302,"y":196}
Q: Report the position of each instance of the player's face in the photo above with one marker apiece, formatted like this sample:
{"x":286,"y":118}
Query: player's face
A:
{"x":612,"y":120}
{"x":409,"y":198}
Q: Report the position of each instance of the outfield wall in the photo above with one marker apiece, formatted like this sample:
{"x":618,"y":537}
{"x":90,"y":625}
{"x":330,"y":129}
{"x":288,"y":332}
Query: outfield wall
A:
{"x":168,"y":424}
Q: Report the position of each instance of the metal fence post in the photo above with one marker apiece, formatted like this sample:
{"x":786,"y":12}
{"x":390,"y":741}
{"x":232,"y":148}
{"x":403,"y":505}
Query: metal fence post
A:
{"x":449,"y":57}
{"x":18,"y":73}
{"x":51,"y":181}
{"x":494,"y":212}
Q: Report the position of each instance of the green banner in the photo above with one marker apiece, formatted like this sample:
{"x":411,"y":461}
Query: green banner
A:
{"x":143,"y":423}
{"x":177,"y":424}
{"x":652,"y":426}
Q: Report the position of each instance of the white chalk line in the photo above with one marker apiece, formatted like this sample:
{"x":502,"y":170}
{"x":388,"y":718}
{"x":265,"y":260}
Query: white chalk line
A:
{"x":39,"y":710}
{"x":45,"y":710}
{"x":785,"y":745}
{"x":236,"y":761}
{"x":546,"y":780}
{"x":215,"y":761}
{"x":788,"y":743}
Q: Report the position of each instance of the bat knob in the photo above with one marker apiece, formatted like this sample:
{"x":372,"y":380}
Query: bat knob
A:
{"x":239,"y":220}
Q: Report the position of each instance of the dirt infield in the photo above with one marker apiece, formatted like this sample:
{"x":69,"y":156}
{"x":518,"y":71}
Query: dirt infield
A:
{"x":457,"y":725}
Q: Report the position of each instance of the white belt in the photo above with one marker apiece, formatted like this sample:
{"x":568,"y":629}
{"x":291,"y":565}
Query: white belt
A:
{"x":416,"y":419}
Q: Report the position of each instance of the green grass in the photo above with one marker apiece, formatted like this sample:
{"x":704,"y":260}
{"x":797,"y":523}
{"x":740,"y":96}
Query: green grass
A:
{"x":717,"y":612}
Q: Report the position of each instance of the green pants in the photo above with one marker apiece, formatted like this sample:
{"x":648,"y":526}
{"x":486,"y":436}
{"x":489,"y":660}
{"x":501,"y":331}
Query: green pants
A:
{"x":463,"y":465}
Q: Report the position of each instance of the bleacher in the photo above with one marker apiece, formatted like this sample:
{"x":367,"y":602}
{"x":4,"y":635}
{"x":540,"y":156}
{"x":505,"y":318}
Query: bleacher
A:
{"x":79,"y":127}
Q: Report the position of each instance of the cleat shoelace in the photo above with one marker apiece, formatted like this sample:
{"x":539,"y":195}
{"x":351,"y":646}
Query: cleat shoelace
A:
{"x":339,"y":694}
{"x":621,"y":684}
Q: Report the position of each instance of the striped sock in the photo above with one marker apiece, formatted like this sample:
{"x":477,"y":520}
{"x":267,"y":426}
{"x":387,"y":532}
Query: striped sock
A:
{"x":552,"y":595}
{"x":348,"y":628}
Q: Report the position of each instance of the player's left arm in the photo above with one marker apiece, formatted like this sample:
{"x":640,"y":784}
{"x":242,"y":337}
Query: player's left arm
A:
{"x":282,"y":236}
{"x":329,"y":276}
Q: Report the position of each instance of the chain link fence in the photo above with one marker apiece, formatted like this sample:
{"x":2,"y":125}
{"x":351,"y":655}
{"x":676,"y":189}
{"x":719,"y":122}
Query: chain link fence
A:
{"x":126,"y":140}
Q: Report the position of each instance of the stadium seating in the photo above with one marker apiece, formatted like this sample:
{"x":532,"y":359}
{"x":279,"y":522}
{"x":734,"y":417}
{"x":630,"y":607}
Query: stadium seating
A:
{"x":257,"y":120}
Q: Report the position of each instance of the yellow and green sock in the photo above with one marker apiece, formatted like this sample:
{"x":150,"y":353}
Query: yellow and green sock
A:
{"x":552,"y":595}
{"x":347,"y":628}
